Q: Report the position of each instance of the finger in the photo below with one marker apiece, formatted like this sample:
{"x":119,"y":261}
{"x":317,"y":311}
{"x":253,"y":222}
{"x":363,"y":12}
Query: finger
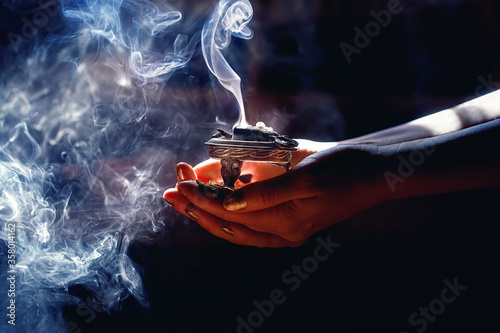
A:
{"x":234,"y":232}
{"x":268,"y":193}
{"x":175,"y":199}
{"x":278,"y":220}
{"x":207,"y":198}
{"x":185,"y":172}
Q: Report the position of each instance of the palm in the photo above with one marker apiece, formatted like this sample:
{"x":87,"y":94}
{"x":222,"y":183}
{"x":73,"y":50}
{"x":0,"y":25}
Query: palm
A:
{"x":210,"y":170}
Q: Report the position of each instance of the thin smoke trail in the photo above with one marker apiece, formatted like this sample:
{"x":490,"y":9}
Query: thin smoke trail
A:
{"x":229,"y":18}
{"x":81,"y":155}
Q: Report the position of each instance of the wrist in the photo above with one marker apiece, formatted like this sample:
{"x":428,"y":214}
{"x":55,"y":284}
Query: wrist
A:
{"x":309,"y":147}
{"x":354,"y":169}
{"x":379,"y":188}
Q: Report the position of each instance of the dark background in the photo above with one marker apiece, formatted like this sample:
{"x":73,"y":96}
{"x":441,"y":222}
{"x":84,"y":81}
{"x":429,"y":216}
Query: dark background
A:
{"x":431,"y":56}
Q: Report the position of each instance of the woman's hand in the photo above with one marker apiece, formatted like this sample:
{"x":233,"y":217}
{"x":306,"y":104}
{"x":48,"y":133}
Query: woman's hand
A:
{"x":279,"y":209}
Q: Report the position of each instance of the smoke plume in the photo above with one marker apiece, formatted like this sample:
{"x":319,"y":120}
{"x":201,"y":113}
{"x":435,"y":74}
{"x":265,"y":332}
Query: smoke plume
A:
{"x":83,"y":155}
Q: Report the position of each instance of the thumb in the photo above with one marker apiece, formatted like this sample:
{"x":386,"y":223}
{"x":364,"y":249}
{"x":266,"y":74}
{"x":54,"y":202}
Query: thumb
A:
{"x":268,"y":193}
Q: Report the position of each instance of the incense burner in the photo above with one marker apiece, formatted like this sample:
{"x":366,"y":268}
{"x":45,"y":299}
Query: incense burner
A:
{"x":254,"y":143}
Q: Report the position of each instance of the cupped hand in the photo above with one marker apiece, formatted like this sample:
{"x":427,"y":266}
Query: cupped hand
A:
{"x":277,"y":209}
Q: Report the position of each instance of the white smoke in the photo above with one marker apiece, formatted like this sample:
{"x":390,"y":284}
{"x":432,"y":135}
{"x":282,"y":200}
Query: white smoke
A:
{"x":229,"y":18}
{"x":82,"y":157}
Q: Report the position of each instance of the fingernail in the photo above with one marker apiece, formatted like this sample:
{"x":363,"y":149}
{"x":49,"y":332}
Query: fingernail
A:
{"x":228,"y":231}
{"x":180,"y":174}
{"x":235,"y":203}
{"x":170,"y":202}
{"x":190,"y":213}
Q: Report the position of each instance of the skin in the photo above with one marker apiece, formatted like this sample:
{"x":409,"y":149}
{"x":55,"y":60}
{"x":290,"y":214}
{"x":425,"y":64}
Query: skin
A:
{"x":333,"y":181}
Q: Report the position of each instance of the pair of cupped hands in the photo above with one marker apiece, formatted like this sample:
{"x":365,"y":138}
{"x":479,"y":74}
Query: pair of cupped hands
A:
{"x":277,"y":208}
